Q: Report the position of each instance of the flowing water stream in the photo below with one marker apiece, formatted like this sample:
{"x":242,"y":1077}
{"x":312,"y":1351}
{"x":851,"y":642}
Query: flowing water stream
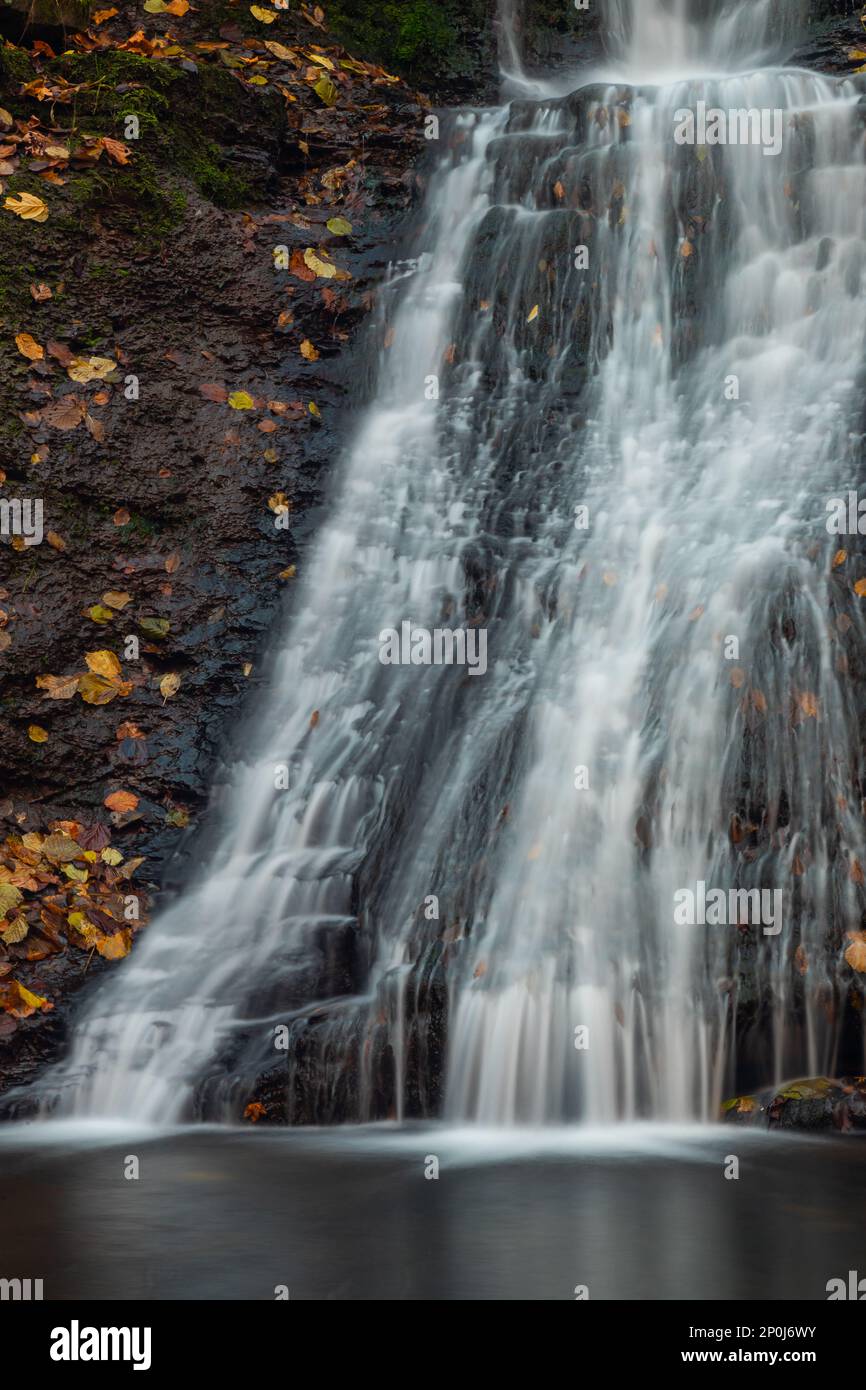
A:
{"x":467,"y":868}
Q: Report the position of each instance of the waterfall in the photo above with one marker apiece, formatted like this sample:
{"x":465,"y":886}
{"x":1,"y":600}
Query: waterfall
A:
{"x":621,"y":386}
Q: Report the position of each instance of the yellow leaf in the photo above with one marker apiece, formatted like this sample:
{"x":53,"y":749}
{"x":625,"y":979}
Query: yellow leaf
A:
{"x":84,"y":369}
{"x":314,"y":409}
{"x":860,"y":588}
{"x":533,"y":313}
{"x":95,"y":690}
{"x":28,"y":347}
{"x":77,"y":875}
{"x":103,"y":663}
{"x":35,"y":1001}
{"x":326,"y":269}
{"x":308,"y":351}
{"x":241,"y":400}
{"x":839,"y":558}
{"x":339,"y":226}
{"x":326,"y":91}
{"x":265,"y":16}
{"x":98,"y":614}
{"x":111,"y":856}
{"x":285,"y":55}
{"x":37,"y":733}
{"x":28,"y":207}
{"x":169,"y":685}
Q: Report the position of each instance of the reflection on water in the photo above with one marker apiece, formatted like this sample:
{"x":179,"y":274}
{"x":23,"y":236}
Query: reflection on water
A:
{"x":635,"y":1214}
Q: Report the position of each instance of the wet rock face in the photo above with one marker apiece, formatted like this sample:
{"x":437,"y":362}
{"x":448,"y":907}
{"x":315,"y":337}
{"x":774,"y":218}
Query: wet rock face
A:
{"x":834,"y":29}
{"x":166,"y":265}
{"x":817,"y":1104}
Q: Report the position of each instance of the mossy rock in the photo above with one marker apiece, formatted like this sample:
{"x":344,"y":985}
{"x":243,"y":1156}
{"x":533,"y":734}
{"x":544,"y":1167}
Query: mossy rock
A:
{"x":438,"y":45}
{"x":812,"y":1104}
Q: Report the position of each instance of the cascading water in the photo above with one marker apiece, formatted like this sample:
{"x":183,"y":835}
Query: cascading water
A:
{"x":465,"y":869}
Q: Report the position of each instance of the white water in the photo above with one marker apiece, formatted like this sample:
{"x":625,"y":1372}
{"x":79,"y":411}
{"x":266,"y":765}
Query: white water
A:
{"x":606,"y":645}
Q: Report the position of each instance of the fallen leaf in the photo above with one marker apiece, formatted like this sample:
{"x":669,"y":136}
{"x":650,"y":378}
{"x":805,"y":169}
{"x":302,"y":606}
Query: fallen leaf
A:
{"x":37,"y":733}
{"x":84,"y":369}
{"x":212,"y":391}
{"x":103,"y":663}
{"x":115,"y":946}
{"x":155,"y":627}
{"x":28,"y":347}
{"x":116,"y":600}
{"x":97,"y":614}
{"x":533,"y":314}
{"x":856,"y":955}
{"x":169,"y":685}
{"x":121,"y":801}
{"x":60,"y":849}
{"x":97,"y":690}
{"x":326,"y":269}
{"x":66,"y":413}
{"x":339,"y":226}
{"x":57,"y":687}
{"x":121,"y":517}
{"x":326,"y":91}
{"x":308,"y":351}
{"x":28,"y":207}
{"x":241,"y":400}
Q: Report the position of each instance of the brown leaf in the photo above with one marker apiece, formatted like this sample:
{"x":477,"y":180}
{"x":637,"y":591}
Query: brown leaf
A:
{"x":121,"y":801}
{"x":212,"y":391}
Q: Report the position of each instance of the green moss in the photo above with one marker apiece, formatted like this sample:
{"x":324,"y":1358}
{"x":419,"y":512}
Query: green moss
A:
{"x":174,"y":111}
{"x":16,"y":66}
{"x":407,"y":35}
